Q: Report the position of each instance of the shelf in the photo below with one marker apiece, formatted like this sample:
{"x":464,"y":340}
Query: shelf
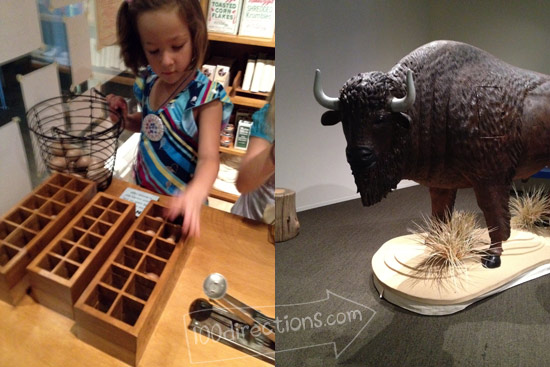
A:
{"x":114,"y":75}
{"x":37,"y":63}
{"x":114,"y":78}
{"x":232,"y":151}
{"x":248,"y":102}
{"x":222,"y":195}
{"x":243,"y":97}
{"x":243,"y":40}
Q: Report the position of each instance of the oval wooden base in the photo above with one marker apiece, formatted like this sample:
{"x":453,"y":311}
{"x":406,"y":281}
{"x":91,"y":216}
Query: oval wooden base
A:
{"x":526,"y":256}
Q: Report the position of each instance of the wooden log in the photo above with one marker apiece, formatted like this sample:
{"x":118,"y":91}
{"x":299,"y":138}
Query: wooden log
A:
{"x":287,"y":225}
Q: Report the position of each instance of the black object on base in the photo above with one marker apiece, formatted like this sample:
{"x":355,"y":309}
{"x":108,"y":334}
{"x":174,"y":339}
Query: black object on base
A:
{"x":491,"y":261}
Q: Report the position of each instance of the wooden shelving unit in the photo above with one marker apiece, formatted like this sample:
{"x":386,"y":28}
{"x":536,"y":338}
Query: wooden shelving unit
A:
{"x":243,"y":40}
{"x":247,"y":101}
{"x":232,"y":151}
{"x":238,"y":47}
{"x":246,"y":98}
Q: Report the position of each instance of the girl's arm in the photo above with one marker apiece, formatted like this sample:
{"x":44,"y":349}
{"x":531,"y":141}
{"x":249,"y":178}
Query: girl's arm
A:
{"x":133,"y":122}
{"x":189,"y":203}
{"x":257,"y":165}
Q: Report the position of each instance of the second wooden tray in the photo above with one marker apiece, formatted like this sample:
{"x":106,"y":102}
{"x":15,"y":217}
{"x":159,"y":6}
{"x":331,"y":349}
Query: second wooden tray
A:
{"x":63,"y":270}
{"x":120,"y":308}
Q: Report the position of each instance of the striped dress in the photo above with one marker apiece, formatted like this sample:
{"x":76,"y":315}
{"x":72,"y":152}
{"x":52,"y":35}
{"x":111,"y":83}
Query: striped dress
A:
{"x":167,"y":165}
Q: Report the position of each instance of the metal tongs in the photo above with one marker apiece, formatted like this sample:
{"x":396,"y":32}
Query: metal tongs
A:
{"x":230,"y":321}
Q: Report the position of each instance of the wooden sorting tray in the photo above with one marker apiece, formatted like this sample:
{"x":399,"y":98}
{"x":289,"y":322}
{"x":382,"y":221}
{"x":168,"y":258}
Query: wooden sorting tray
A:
{"x":60,"y":273}
{"x":30,"y":225}
{"x":120,"y":308}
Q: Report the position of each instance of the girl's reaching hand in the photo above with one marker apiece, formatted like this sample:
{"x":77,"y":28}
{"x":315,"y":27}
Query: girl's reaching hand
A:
{"x":117,"y":103}
{"x":189,"y":203}
{"x":189,"y":206}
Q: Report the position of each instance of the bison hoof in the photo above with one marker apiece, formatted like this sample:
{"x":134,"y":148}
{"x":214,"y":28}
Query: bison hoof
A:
{"x":491,"y":261}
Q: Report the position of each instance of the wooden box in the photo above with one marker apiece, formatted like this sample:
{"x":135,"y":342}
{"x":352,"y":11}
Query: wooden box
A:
{"x":29,"y":226}
{"x":118,"y":311}
{"x":60,"y":273}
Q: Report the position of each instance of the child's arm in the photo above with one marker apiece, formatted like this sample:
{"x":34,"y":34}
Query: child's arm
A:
{"x":189,"y":203}
{"x":131,"y":122}
{"x":257,"y":165}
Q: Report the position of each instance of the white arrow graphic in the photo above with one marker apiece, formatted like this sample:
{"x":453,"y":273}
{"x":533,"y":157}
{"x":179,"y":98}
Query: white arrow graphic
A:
{"x":330,"y":315}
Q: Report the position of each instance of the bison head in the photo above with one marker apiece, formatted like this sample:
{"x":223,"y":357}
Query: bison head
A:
{"x":371,"y":107}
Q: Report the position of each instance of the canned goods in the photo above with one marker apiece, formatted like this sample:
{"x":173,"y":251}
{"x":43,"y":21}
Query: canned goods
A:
{"x":226,"y":139}
{"x":230,"y":129}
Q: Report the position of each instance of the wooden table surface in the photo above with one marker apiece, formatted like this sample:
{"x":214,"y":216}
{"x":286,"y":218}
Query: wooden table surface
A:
{"x":33,"y":335}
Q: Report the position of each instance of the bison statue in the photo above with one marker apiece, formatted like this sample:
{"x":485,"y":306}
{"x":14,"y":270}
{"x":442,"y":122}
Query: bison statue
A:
{"x":447,"y":116}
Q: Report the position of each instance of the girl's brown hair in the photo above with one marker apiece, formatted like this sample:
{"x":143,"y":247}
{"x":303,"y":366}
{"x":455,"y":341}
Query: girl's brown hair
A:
{"x":131,"y":50}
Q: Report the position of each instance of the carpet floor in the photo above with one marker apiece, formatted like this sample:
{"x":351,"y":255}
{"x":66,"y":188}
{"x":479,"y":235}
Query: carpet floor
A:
{"x":324,"y":275}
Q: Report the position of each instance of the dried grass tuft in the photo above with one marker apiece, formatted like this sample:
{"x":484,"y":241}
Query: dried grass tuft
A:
{"x":450,"y":244}
{"x":530,"y":209}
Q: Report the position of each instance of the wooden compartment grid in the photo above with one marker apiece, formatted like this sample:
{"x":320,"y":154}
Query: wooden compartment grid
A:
{"x":119,"y":309}
{"x":62,"y":271}
{"x":28,"y":227}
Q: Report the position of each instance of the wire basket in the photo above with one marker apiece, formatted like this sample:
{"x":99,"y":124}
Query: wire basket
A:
{"x":75,"y":135}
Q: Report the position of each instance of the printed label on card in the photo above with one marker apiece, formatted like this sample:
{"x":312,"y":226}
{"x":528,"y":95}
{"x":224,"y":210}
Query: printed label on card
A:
{"x":140,"y":198}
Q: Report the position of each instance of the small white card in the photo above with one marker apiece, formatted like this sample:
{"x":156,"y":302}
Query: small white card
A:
{"x":140,"y":198}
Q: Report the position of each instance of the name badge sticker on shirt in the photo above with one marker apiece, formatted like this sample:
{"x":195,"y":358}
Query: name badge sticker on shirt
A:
{"x":153,"y":127}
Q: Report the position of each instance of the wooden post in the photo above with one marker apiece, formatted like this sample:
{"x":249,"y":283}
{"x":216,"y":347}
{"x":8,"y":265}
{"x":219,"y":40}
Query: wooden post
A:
{"x":287,"y":225}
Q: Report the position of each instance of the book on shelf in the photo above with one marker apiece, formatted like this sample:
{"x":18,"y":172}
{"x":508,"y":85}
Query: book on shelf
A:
{"x":222,"y":75}
{"x":259,"y":75}
{"x":249,"y":72}
{"x":219,"y":69}
{"x":258,"y":18}
{"x":209,"y":70}
{"x":268,"y":76}
{"x":224,"y":16}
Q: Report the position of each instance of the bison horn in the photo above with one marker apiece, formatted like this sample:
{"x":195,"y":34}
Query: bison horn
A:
{"x":321,"y":97}
{"x":403,"y":104}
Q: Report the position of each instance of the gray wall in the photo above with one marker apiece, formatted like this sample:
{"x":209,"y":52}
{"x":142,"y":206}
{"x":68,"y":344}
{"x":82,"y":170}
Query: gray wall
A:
{"x":343,"y":38}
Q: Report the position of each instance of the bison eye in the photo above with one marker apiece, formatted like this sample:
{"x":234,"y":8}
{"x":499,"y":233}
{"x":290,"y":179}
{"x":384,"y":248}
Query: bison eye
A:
{"x":398,"y":118}
{"x":382,"y":119}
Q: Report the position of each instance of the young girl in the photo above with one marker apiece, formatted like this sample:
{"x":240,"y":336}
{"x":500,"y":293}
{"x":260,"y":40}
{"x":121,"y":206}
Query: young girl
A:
{"x":256,"y":179}
{"x":164,"y":42}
